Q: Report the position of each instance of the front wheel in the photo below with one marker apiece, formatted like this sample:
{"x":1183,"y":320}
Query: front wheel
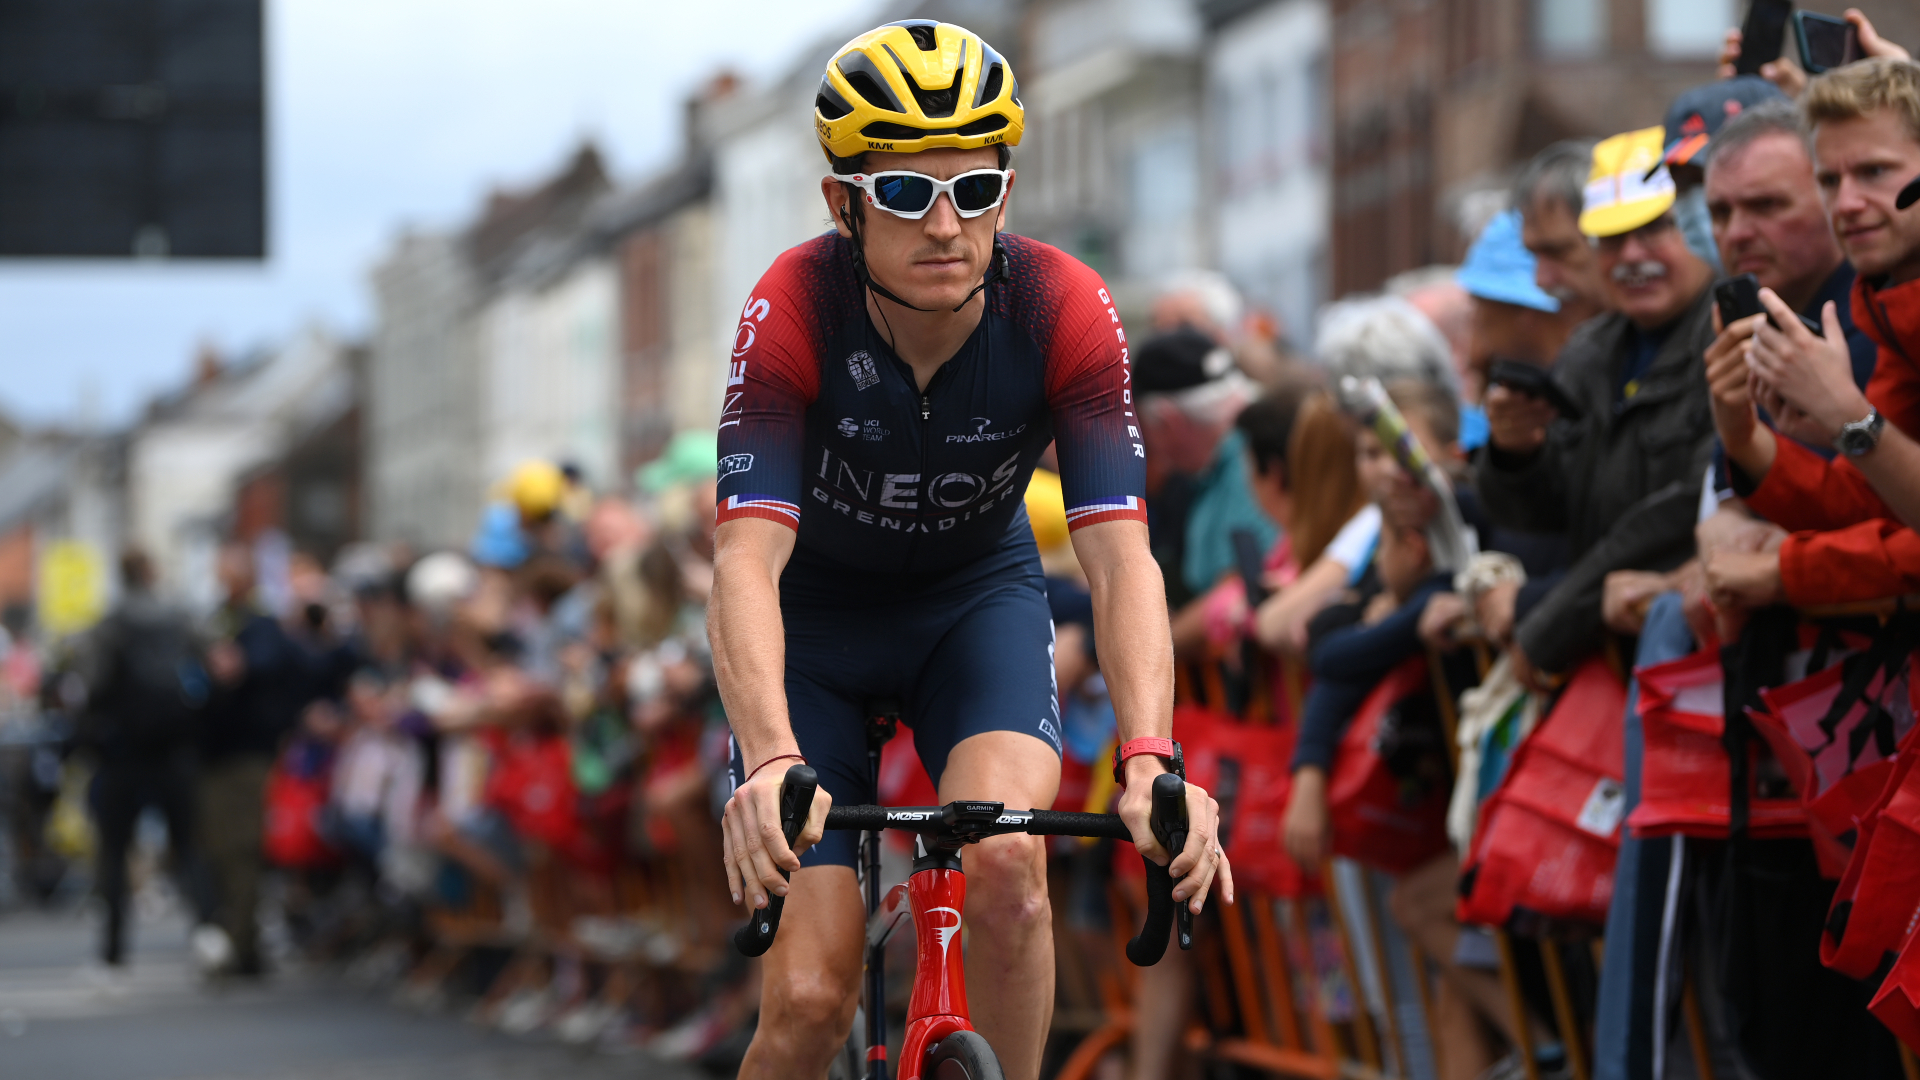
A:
{"x":963,"y":1055}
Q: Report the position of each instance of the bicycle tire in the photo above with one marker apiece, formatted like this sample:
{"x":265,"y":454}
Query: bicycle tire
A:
{"x":963,"y":1055}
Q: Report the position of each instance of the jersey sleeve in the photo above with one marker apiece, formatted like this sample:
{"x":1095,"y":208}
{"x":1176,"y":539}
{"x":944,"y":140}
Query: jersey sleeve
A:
{"x":1103,"y":460}
{"x":772,"y":376}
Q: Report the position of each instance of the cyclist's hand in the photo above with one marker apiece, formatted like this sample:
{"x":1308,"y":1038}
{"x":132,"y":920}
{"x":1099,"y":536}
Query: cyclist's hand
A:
{"x":755,"y":848}
{"x":1195,"y":867}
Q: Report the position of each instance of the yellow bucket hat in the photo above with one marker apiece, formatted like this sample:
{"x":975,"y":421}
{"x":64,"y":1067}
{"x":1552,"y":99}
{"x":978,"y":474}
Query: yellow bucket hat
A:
{"x":1629,"y":186}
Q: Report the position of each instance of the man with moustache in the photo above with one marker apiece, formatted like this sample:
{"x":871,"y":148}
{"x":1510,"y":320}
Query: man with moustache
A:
{"x":1622,"y":481}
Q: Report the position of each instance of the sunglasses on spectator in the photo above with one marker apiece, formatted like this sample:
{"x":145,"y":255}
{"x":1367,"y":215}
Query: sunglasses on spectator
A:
{"x":910,"y":194}
{"x":1649,"y":231}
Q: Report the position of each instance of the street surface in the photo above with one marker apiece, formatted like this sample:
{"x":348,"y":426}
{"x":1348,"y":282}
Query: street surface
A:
{"x":62,"y":1020}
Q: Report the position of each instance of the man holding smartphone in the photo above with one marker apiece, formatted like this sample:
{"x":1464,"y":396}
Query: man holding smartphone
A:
{"x":1865,"y":121}
{"x":1769,"y":222}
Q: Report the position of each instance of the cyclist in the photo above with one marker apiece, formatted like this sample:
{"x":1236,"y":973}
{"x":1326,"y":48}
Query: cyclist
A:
{"x":892,"y":384}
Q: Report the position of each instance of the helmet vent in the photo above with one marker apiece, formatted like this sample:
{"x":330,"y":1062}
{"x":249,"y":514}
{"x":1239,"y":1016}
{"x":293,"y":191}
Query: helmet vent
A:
{"x":831,"y":105}
{"x":990,"y":86}
{"x":984,"y":125}
{"x":923,"y":36}
{"x":940,"y":102}
{"x":864,"y":85}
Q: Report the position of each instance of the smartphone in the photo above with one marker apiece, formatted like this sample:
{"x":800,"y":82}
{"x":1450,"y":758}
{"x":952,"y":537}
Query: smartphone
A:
{"x":1762,"y":34}
{"x":1825,"y":42}
{"x":1739,"y":298}
{"x":1248,"y":558}
{"x":1525,"y":378}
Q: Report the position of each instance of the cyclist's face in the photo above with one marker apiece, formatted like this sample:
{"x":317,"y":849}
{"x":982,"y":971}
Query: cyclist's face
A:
{"x":934,"y":261}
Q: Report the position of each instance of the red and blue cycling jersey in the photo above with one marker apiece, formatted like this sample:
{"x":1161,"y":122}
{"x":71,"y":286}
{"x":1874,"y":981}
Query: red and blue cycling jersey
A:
{"x":824,"y":429}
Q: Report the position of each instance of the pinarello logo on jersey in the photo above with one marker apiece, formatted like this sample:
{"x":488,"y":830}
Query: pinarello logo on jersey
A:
{"x":982,"y":435}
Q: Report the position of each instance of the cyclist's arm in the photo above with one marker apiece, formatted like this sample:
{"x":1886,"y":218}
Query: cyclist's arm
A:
{"x":1103,"y":480}
{"x":749,"y":640}
{"x":1136,"y":657}
{"x":749,"y":663}
{"x":771,"y":378}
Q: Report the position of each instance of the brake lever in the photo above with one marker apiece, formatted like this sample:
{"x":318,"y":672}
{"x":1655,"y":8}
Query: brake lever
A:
{"x":796,"y":801}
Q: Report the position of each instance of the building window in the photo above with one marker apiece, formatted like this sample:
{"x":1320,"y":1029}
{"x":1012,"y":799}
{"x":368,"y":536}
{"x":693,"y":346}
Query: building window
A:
{"x":1571,"y":27}
{"x":1688,"y":28}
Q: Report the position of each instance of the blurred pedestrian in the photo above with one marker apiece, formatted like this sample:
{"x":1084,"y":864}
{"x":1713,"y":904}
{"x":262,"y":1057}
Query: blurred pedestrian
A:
{"x":263,"y":679}
{"x":146,"y":687}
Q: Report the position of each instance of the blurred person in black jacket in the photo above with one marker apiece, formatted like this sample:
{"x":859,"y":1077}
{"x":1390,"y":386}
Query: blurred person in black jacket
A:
{"x":263,"y":678}
{"x":146,"y":689}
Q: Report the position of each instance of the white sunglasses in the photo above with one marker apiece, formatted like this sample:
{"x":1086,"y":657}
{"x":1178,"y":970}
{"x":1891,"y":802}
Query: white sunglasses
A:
{"x":910,"y":194}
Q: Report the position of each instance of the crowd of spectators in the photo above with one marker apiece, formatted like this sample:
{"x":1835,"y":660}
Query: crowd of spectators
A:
{"x":1639,"y":477}
{"x":1560,"y":453}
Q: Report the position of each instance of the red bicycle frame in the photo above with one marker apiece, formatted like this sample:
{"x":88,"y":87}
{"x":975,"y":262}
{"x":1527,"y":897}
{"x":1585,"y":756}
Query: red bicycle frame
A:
{"x":936,"y":897}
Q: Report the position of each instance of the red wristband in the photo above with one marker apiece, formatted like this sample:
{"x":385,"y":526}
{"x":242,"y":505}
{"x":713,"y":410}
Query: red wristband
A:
{"x":1157,"y":747}
{"x":769,"y":761}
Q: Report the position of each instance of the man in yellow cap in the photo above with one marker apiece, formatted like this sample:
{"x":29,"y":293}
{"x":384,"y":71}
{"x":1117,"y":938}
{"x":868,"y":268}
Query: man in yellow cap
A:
{"x":1621,"y":480}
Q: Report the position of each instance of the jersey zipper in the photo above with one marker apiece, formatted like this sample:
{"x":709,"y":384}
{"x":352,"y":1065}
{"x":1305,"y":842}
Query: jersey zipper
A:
{"x":926,"y":461}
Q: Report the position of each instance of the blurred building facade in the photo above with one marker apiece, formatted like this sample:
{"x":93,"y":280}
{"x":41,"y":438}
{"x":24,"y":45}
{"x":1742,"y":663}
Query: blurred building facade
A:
{"x":1306,"y":148}
{"x":188,"y":456}
{"x":1268,"y":154}
{"x":1436,"y":100}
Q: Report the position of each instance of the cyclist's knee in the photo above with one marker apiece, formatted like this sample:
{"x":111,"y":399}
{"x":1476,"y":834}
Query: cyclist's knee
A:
{"x":811,"y":1003}
{"x":1007,"y":881}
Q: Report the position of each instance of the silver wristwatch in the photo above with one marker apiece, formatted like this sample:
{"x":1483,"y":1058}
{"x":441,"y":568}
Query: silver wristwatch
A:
{"x":1860,"y":437}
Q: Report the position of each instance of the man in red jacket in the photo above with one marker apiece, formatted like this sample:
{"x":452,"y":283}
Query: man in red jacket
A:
{"x":1865,"y":120}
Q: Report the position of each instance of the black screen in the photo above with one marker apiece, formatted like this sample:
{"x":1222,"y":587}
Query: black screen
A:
{"x":1762,"y":34}
{"x":132,"y":127}
{"x":1826,"y":42}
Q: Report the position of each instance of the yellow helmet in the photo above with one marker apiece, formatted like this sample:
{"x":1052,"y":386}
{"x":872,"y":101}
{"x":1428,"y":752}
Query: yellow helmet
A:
{"x":536,"y":488}
{"x":917,"y":85}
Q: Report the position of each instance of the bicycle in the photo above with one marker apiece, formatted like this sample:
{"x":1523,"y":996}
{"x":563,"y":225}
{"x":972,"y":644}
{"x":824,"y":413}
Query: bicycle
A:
{"x":941,"y":1043}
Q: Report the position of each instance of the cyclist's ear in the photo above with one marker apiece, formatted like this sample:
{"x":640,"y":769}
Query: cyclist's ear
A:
{"x":838,"y":198}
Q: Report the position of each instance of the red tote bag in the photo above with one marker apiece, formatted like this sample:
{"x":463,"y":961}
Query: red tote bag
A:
{"x":1897,"y":1005}
{"x":292,"y":838}
{"x":1549,"y":836}
{"x":1390,"y":815}
{"x":1248,"y":768}
{"x":1686,"y":780}
{"x":1878,"y":899}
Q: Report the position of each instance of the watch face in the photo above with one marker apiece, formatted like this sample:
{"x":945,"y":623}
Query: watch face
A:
{"x":1855,"y":441}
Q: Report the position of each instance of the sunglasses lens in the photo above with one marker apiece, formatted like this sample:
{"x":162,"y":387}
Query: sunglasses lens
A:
{"x":977,"y":192}
{"x":906,"y":193}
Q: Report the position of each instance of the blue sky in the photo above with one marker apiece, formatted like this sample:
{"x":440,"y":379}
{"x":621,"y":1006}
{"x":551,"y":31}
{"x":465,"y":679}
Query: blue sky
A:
{"x":384,"y":114}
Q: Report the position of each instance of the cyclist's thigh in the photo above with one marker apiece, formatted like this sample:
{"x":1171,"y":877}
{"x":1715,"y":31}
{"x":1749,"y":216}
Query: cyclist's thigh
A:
{"x":992,"y":672}
{"x":832,"y":736}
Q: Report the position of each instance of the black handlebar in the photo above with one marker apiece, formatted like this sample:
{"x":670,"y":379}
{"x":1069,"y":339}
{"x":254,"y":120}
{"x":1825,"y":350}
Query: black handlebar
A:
{"x":1169,"y":824}
{"x":970,"y":822}
{"x":796,"y":801}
